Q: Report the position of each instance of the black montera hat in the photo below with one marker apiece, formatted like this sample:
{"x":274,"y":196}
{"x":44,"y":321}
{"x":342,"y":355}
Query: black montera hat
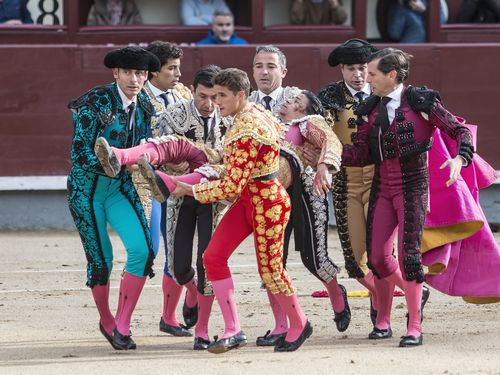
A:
{"x":132,"y":58}
{"x":353,"y":51}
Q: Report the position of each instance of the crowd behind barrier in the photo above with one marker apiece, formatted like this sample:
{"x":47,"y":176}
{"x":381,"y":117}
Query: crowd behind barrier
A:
{"x":379,"y":15}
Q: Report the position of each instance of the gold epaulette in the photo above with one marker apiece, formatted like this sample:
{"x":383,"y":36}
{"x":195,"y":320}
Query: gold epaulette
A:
{"x":318,"y":121}
{"x":183,"y":91}
{"x":255,"y":122}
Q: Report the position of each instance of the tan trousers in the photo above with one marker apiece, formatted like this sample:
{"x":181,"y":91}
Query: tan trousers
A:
{"x":351,"y":193}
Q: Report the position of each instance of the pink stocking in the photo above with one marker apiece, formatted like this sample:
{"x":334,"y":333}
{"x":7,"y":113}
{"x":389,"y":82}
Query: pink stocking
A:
{"x":171,"y":296}
{"x":129,"y":156}
{"x":385,"y":293}
{"x":369,"y":283}
{"x":192,"y":293}
{"x":175,"y":152}
{"x":192,"y":179}
{"x":120,"y":301}
{"x":281,"y":323}
{"x":101,"y":298}
{"x":396,"y":278}
{"x":413,"y":295}
{"x":335,"y":295}
{"x":204,"y":309}
{"x":224,"y":291}
{"x":296,"y":316}
{"x":130,"y":289}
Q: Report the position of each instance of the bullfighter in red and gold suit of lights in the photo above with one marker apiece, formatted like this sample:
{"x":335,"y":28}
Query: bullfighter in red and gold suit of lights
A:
{"x":262,"y":207}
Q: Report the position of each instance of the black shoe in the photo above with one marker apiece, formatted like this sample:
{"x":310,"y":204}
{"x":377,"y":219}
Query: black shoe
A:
{"x":190,"y":314}
{"x":269,"y":340}
{"x":178,"y":331}
{"x":158,"y":187}
{"x":373,"y":313}
{"x":224,"y":345}
{"x":343,"y":318}
{"x":122,"y":342}
{"x":107,"y":157}
{"x":285,"y":346}
{"x":107,"y":336}
{"x":425,"y":296}
{"x":200,"y":343}
{"x":378,"y":334}
{"x":407,"y":341}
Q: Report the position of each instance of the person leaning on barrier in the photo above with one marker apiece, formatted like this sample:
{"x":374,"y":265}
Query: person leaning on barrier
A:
{"x":201,"y":12}
{"x":317,"y":12}
{"x":14,"y":12}
{"x":222,"y":32}
{"x":114,"y":12}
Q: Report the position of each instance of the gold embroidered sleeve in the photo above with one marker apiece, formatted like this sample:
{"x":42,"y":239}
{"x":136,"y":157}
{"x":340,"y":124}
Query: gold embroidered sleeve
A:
{"x":322,"y":136}
{"x":239,"y":160}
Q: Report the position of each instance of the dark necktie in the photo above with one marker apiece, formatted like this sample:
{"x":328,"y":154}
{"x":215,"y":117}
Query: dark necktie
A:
{"x":205,"y":128}
{"x":131,"y":109}
{"x":383,"y":116}
{"x":164,"y":96}
{"x":131,"y":118}
{"x":267,"y":99}
{"x":360,"y":96}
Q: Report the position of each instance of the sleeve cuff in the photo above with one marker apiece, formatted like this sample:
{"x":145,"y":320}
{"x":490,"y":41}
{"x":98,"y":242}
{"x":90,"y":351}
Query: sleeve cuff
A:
{"x":465,"y":163}
{"x":194,"y":192}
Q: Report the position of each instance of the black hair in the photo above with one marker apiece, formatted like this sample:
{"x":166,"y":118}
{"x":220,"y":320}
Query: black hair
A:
{"x":393,"y":59}
{"x":314,"y":107}
{"x":205,"y":76}
{"x":164,"y":51}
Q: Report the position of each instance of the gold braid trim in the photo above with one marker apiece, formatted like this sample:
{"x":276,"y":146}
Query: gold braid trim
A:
{"x":144,"y":193}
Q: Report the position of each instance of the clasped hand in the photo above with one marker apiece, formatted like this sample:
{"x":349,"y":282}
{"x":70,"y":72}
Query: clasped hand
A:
{"x":181,"y":188}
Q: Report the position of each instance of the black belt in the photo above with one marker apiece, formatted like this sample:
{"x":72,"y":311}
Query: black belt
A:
{"x":266,"y":177}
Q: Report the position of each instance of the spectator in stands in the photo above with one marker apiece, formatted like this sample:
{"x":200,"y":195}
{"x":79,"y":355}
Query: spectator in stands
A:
{"x":485,"y":11}
{"x":201,"y":12}
{"x":14,"y":12}
{"x":406,"y":20}
{"x":222,"y":30}
{"x":317,"y":12}
{"x":114,"y":12}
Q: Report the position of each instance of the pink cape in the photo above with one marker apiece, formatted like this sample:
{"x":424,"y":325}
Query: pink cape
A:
{"x":472,"y":264}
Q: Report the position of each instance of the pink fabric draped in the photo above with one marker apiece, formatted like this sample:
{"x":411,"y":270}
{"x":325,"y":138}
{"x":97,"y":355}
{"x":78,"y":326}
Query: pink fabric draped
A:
{"x":472,"y":265}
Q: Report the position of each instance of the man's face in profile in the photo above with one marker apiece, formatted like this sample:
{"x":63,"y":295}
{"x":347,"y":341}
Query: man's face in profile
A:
{"x":223,"y":28}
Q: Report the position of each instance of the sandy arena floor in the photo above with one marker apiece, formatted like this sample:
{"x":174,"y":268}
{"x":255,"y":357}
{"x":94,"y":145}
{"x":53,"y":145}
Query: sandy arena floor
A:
{"x":49,"y":325}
